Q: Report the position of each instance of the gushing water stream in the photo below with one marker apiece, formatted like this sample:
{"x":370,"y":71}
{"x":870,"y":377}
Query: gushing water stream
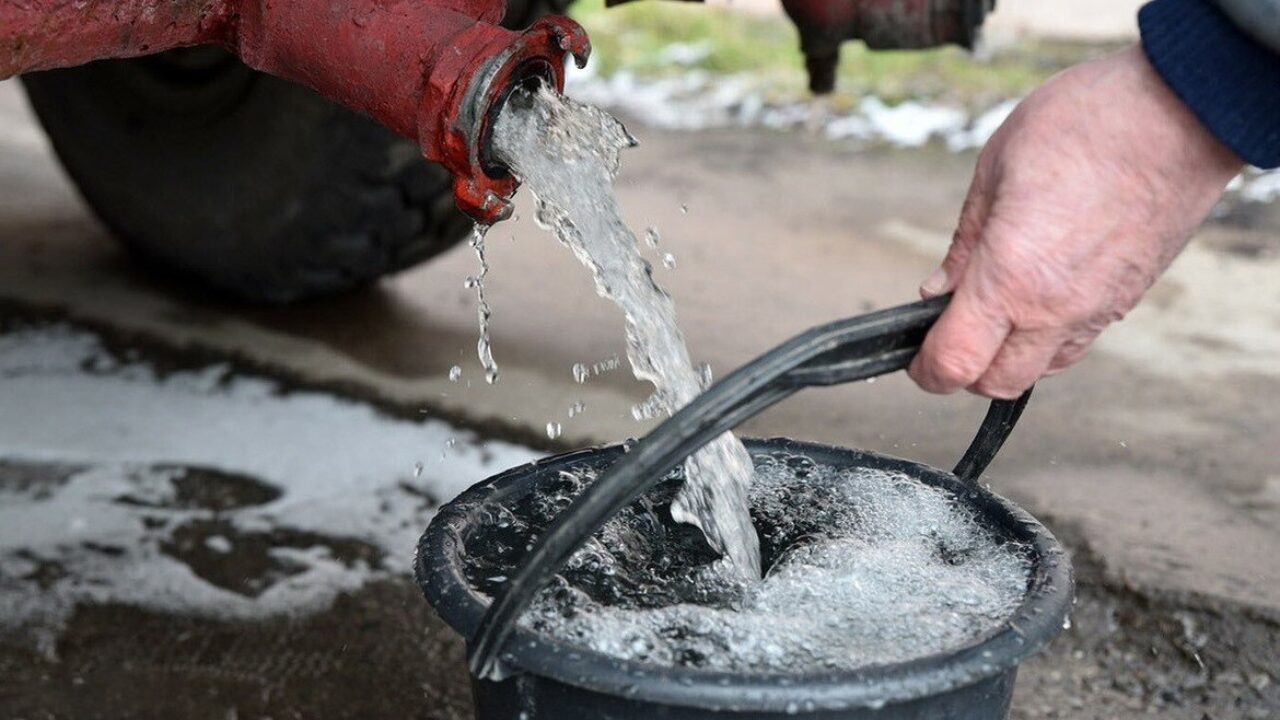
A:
{"x":567,"y":154}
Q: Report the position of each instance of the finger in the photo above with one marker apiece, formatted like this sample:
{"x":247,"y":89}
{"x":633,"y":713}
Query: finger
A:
{"x":1071,"y":352}
{"x":973,"y":216}
{"x":961,"y":345}
{"x":1022,"y":360}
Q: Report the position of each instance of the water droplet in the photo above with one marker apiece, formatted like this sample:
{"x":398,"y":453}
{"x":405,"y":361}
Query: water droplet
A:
{"x":484,"y":348}
{"x":580,"y":373}
{"x":684,"y":209}
{"x":669,"y":261}
{"x":553,"y":430}
{"x":455,"y":373}
{"x":704,"y":375}
{"x":417,"y":469}
{"x":576,"y":409}
{"x":651,"y":236}
{"x":470,"y":282}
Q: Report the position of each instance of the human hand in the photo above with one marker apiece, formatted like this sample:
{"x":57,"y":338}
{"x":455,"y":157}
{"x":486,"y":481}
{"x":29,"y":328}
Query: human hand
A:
{"x":1078,"y":203}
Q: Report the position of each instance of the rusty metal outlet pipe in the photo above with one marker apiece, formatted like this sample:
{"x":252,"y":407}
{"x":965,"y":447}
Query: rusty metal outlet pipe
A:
{"x":435,"y":71}
{"x":825,"y":25}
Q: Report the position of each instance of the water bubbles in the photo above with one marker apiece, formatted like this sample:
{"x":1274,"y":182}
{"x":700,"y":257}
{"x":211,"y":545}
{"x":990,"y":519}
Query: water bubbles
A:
{"x":553,"y":430}
{"x":651,"y":408}
{"x":867,"y":567}
{"x":455,"y":373}
{"x":580,"y":373}
{"x":651,"y":236}
{"x":669,"y":261}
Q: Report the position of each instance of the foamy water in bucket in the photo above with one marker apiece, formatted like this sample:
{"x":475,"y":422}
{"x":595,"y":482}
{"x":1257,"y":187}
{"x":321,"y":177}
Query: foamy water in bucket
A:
{"x":864,"y":567}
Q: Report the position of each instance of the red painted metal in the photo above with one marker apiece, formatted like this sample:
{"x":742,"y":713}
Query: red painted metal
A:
{"x":883,"y":24}
{"x":431,"y":70}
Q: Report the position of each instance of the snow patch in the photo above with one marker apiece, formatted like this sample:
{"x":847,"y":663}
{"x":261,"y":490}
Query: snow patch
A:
{"x":111,"y":471}
{"x":698,"y":100}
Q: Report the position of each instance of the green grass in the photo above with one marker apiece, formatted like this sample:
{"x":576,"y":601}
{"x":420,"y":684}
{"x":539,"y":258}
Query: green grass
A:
{"x":633,"y":36}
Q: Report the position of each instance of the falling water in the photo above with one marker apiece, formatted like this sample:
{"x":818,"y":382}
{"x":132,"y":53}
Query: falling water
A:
{"x":484,"y":346}
{"x":568,"y":155}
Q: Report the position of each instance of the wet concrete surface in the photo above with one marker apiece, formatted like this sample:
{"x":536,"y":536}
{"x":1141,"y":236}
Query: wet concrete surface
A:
{"x":1155,"y":458}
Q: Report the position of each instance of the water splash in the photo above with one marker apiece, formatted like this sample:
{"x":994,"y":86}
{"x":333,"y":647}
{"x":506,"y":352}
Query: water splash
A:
{"x":867,"y":566}
{"x":484,"y":346}
{"x":568,"y":154}
{"x":652,"y":237}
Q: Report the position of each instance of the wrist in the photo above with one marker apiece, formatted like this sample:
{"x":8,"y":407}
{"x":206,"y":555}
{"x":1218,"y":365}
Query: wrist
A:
{"x":1176,"y":127}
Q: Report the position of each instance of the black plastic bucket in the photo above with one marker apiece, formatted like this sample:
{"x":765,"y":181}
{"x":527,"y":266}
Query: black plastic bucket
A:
{"x":546,"y":678}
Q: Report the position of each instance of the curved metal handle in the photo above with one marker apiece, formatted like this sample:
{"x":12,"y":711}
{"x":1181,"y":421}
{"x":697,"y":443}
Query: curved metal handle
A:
{"x":844,"y":351}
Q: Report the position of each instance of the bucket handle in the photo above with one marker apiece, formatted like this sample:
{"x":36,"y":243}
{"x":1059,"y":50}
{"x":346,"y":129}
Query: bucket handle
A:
{"x":840,"y":352}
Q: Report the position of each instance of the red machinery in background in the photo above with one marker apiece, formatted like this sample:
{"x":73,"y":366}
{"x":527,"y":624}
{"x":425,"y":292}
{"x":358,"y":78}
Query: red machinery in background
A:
{"x":169,"y":116}
{"x":825,"y":25}
{"x":883,"y":25}
{"x":431,"y":70}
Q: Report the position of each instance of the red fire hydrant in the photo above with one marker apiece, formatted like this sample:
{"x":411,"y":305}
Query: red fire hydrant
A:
{"x":432,"y":70}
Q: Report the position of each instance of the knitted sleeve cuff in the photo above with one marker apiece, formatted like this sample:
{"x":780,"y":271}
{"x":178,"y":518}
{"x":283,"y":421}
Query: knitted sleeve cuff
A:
{"x":1228,"y":79}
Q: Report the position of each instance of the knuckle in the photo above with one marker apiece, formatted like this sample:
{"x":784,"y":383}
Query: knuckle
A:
{"x":956,"y":369}
{"x":997,"y":388}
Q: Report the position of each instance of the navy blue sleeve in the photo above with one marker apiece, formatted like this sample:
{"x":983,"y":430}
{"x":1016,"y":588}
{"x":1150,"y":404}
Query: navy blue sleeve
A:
{"x":1228,"y":79}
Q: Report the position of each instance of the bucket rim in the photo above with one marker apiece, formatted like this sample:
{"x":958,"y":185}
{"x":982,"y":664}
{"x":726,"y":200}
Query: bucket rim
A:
{"x":1037,"y":620}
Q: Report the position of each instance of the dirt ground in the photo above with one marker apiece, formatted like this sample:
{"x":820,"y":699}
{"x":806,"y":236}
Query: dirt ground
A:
{"x":1154,"y":460}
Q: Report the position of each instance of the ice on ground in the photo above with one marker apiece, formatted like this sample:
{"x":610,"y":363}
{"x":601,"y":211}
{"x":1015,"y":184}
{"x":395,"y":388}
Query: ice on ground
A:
{"x":699,"y":100}
{"x":203,"y":491}
{"x":908,"y":124}
{"x":1260,"y":186}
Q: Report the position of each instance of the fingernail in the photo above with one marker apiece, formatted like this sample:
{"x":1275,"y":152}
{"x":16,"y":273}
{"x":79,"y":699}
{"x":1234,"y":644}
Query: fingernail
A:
{"x":935,"y":284}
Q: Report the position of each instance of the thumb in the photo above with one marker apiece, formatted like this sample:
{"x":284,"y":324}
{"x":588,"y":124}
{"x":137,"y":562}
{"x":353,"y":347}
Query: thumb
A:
{"x":973,"y":216}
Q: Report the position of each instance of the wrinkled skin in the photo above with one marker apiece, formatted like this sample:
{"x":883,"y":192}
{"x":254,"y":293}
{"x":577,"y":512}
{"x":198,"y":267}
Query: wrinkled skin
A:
{"x":1079,"y":202}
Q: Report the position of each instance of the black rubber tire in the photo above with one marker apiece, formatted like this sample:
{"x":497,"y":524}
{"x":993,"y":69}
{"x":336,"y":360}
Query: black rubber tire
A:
{"x":249,"y":184}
